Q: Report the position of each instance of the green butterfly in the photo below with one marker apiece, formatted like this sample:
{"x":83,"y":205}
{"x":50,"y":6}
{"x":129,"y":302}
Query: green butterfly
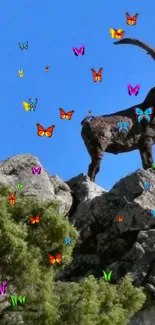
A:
{"x":107,"y":276}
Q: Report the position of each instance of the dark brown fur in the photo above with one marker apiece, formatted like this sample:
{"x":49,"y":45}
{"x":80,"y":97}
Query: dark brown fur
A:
{"x":101,"y":135}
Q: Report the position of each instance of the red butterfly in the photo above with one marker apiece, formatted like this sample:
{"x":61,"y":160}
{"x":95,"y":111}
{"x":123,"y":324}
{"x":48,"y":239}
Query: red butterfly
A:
{"x":131,"y":20}
{"x":48,"y":132}
{"x":97,"y":76}
{"x":53,"y":259}
{"x":64,"y":115}
{"x":47,"y":68}
{"x":12,"y":198}
{"x":34,"y":220}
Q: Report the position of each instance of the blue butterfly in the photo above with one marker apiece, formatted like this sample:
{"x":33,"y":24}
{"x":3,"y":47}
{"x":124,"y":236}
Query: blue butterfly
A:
{"x":33,"y":103}
{"x":68,"y":241}
{"x":123,"y":126}
{"x":23,"y":45}
{"x":153,"y":213}
{"x":147,"y":186}
{"x":147,"y":114}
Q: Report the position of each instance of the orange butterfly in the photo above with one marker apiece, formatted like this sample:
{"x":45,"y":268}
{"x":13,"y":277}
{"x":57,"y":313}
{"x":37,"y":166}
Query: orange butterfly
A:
{"x":12,"y":198}
{"x":48,"y":132}
{"x":131,"y":20}
{"x":34,"y":220}
{"x":97,"y":76}
{"x":117,"y":33}
{"x":64,"y":115}
{"x":57,"y":259}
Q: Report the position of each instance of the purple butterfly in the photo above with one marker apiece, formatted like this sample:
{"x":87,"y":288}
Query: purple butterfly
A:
{"x":79,"y":51}
{"x":133,"y":90}
{"x":36,"y":170}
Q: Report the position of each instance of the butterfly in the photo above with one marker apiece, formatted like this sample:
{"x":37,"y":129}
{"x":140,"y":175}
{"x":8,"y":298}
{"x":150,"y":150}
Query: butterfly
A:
{"x":36,"y":170}
{"x":35,"y":219}
{"x":48,"y":132}
{"x":107,"y":277}
{"x":123,"y":126}
{"x":133,"y":90}
{"x":47,"y":68}
{"x":23,"y":45}
{"x":64,"y":115}
{"x":21,"y":74}
{"x":147,"y":186}
{"x":26,"y":106}
{"x":131,"y":20}
{"x":147,"y":114}
{"x":153,"y":213}
{"x":120,"y":218}
{"x":33,"y":103}
{"x":12,"y":198}
{"x":68,"y":241}
{"x":116,"y":33}
{"x":53,"y":259}
{"x":90,"y":112}
{"x":97,"y":76}
{"x":79,"y":51}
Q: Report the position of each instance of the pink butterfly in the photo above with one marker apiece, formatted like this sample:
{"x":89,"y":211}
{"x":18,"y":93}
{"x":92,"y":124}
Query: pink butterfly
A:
{"x":79,"y":51}
{"x":36,"y":170}
{"x":133,"y":90}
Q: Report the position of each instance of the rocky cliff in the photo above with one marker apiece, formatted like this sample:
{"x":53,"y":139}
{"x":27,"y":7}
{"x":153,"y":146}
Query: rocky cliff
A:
{"x":107,"y":242}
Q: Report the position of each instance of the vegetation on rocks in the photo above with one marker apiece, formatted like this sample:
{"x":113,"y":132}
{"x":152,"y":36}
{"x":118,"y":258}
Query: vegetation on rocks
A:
{"x":24,"y":250}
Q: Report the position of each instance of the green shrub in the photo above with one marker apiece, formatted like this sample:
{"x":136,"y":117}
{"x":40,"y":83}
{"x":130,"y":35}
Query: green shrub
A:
{"x":24,"y":253}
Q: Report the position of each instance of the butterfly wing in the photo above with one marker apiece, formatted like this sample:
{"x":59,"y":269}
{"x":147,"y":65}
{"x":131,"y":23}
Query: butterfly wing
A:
{"x":32,"y":220}
{"x":69,"y":115}
{"x":62,"y":114}
{"x":130,"y":89}
{"x":105,"y":276}
{"x":37,"y":218}
{"x":26,"y":106}
{"x":128,"y":19}
{"x":112,"y":32}
{"x":49,"y":131}
{"x":109,"y":275}
{"x":120,"y":33}
{"x":99,"y":74}
{"x":40,"y":129}
{"x":148,"y":113}
{"x":33,"y":170}
{"x":51,"y":259}
{"x":139,"y":113}
{"x":59,"y":258}
{"x":39,"y":170}
{"x":95,"y":75}
{"x":82,"y":50}
{"x":136,"y":90}
{"x":126,"y":126}
{"x":75,"y":50}
{"x":134,"y":20}
{"x":119,"y":125}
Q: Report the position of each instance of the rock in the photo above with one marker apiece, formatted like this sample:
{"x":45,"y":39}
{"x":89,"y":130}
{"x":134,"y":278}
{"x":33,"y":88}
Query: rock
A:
{"x":17,"y":170}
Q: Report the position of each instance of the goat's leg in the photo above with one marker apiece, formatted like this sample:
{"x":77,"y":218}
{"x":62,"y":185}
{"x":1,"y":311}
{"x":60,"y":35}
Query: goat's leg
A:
{"x":94,"y":167}
{"x":146,"y":153}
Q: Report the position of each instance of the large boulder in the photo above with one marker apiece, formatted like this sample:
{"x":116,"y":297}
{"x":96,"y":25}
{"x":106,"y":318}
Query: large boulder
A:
{"x":18,"y":170}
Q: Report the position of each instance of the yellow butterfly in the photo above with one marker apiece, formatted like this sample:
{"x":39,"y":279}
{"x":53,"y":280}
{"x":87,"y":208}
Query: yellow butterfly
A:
{"x":21,"y":74}
{"x":116,"y":33}
{"x":26,"y":106}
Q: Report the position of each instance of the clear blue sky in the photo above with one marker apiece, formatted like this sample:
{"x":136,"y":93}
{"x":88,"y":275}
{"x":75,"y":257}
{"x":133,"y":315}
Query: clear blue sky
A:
{"x":52,"y":28}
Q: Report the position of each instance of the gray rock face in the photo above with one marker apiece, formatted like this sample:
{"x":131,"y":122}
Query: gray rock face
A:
{"x":105,"y":243}
{"x":17,"y":170}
